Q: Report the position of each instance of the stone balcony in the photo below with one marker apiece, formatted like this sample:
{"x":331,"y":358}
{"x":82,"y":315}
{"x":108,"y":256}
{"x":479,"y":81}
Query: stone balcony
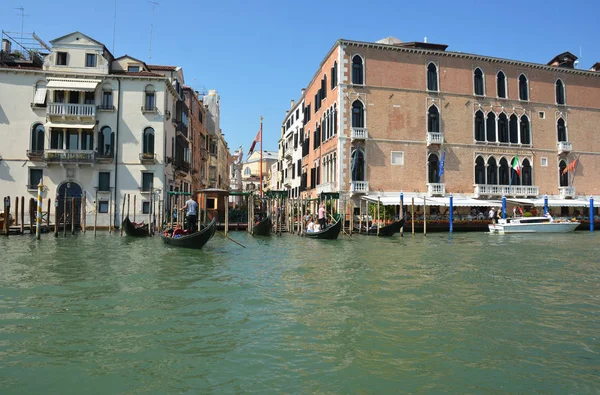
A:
{"x":506,"y":190}
{"x":359,"y":134}
{"x":566,"y":192}
{"x":564,"y":147}
{"x":69,"y":156}
{"x":326,"y":187}
{"x":68,"y":110}
{"x":435,"y":138}
{"x":436,"y":189}
{"x":359,"y":186}
{"x":147,"y":158}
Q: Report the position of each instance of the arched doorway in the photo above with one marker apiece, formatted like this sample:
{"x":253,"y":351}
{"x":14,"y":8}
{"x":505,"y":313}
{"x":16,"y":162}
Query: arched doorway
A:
{"x":72,"y":192}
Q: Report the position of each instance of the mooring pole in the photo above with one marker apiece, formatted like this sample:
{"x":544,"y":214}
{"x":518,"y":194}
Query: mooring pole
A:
{"x":401,"y":213}
{"x":452,"y":212}
{"x":95,"y":213}
{"x":40,"y":206}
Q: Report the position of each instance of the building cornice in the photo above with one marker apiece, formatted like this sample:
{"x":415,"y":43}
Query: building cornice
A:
{"x":463,"y":55}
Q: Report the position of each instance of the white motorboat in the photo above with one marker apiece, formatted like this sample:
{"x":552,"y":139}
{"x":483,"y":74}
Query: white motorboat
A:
{"x":533,"y":225}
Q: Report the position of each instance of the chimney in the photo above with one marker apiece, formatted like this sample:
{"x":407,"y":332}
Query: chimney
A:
{"x":595,"y":67}
{"x":303,"y":90}
{"x":291,"y":103}
{"x":6,"y":46}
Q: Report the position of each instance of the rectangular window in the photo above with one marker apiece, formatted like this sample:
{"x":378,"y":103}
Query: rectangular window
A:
{"x":90,"y":60}
{"x":211,"y":203}
{"x":89,"y":98}
{"x":104,"y":181}
{"x":150,"y":103}
{"x":61,"y":58}
{"x":59,"y":96}
{"x":397,"y":158}
{"x":103,"y":206}
{"x":544,"y":162}
{"x":107,"y":100}
{"x":541,"y":115}
{"x":35,"y":176}
{"x":133,"y":69}
{"x":145,"y":207}
{"x":147,"y":179}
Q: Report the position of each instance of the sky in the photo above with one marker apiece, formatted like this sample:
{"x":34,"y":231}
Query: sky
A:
{"x":258,"y":54}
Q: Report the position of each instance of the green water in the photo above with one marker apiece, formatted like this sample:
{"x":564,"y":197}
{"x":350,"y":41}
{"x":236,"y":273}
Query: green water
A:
{"x":468,"y":313}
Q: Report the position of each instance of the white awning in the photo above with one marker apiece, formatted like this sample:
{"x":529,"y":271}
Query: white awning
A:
{"x":71,"y":125}
{"x":40,"y":95}
{"x":555,"y":202}
{"x":458,"y":201}
{"x":72,"y":84}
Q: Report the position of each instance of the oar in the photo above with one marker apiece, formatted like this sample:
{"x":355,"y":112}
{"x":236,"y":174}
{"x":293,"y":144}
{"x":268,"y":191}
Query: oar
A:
{"x":342,"y":226}
{"x":224,"y":235}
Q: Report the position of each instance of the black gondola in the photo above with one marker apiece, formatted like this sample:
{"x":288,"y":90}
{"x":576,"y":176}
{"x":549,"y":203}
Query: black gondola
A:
{"x":263,"y":228}
{"x":196,"y":240}
{"x":388,"y":230}
{"x":331,"y":233}
{"x":135,"y":230}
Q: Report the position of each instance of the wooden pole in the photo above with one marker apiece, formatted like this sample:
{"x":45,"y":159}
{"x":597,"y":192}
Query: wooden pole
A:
{"x":6,"y":215}
{"x":412,"y":215}
{"x":360,"y":216}
{"x":122,"y":214}
{"x":151,"y":206}
{"x":134,"y":206}
{"x":32,"y":210}
{"x":110,"y":216}
{"x":128,"y":201}
{"x":16,"y":211}
{"x":96,"y":212}
{"x":424,"y":216}
{"x":171,"y":200}
{"x":226,"y":199}
{"x":378,"y":218}
{"x":73,"y":215}
{"x":22,"y":214}
{"x":48,"y":214}
{"x":401,"y":216}
{"x":83,"y":211}
{"x":56,"y":219}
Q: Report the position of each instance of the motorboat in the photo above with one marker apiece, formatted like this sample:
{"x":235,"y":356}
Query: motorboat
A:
{"x":533,"y":225}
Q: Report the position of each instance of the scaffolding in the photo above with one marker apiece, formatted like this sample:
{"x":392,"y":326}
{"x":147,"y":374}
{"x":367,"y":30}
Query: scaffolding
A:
{"x":23,"y":47}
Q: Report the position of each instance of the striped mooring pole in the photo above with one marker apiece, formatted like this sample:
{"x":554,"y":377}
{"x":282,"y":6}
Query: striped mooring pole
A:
{"x":38,"y":225}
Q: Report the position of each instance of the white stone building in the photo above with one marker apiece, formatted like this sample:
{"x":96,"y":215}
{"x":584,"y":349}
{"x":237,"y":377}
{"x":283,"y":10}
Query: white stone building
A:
{"x":290,"y":148}
{"x":91,"y":126}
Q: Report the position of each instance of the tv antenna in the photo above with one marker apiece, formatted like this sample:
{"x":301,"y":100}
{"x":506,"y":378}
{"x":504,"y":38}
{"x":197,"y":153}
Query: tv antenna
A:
{"x":154,"y":4}
{"x":23,"y":15}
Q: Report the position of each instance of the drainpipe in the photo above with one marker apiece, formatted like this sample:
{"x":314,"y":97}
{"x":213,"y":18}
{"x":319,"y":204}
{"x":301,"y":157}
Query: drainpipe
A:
{"x":115,"y":200}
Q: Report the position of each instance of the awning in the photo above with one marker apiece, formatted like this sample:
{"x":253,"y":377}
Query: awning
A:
{"x":555,"y":202}
{"x":71,"y":125}
{"x":72,"y":84}
{"x":458,"y":201}
{"x":40,"y":95}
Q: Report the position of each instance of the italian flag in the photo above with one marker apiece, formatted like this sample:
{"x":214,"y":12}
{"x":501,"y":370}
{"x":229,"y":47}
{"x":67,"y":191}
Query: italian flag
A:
{"x":515,"y":165}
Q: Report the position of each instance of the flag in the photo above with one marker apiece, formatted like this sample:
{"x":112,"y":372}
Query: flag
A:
{"x":570,"y":167}
{"x":441,"y":166}
{"x":256,"y":140}
{"x":515,"y":165}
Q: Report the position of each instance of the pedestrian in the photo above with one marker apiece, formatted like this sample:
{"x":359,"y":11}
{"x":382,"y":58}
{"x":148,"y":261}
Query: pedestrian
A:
{"x":192,"y":214}
{"x":322,"y":212}
{"x":492,"y":215}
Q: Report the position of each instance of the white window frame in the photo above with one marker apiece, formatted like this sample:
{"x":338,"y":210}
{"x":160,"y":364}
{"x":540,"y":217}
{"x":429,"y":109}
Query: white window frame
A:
{"x":483,"y":77}
{"x":363,"y":70}
{"x":564,"y":92}
{"x":505,"y":85}
{"x":541,"y":114}
{"x":544,"y":161}
{"x":519,"y":87}
{"x":399,"y":162}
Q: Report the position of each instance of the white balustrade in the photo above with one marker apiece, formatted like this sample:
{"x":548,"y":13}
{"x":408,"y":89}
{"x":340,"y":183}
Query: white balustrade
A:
{"x":71,"y":110}
{"x":566,"y":192}
{"x":435,"y":138}
{"x":65,"y":155}
{"x":564,"y":147}
{"x":359,"y":186}
{"x":359,"y":134}
{"x":506,"y":190}
{"x":436,"y":189}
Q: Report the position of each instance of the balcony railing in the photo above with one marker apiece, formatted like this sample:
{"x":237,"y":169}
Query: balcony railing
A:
{"x":434,"y":138}
{"x":147,"y":158}
{"x":106,"y":107}
{"x":71,"y":110}
{"x":564,"y":147}
{"x":70,"y":156}
{"x":359,"y":186}
{"x":436,"y":189}
{"x":104,"y":158}
{"x":149,"y":109}
{"x":359,"y":134}
{"x":326,"y":187}
{"x":182,"y":166}
{"x":566,"y":192}
{"x":288,"y":153}
{"x":505,"y":190}
{"x":203,"y":154}
{"x":35,"y":154}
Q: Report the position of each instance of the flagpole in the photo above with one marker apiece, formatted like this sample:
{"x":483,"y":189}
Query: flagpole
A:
{"x":575,"y":171}
{"x":261,"y":160}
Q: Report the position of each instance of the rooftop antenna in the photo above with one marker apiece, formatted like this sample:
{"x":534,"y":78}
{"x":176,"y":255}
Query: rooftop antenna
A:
{"x":154,"y":4}
{"x":23,"y":15}
{"x":114,"y":28}
{"x":425,"y":39}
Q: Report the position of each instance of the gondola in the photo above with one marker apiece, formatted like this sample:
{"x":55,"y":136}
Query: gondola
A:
{"x":263,"y":228}
{"x":388,"y":230}
{"x":135,"y":230}
{"x":196,"y":240}
{"x":331,"y":233}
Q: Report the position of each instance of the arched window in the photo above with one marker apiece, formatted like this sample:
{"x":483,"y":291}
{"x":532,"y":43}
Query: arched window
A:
{"x":561,"y":130}
{"x":432,"y":77}
{"x":479,"y":170}
{"x":479,"y":126}
{"x":433,"y":165}
{"x":501,"y":84}
{"x":106,"y":139}
{"x":502,"y":128}
{"x":148,"y":141}
{"x":247,"y":171}
{"x":358,"y":114}
{"x":324,"y":87}
{"x":357,"y":165}
{"x":37,"y":138}
{"x":357,"y":70}
{"x":150,"y":100}
{"x":523,"y":88}
{"x":514,"y":129}
{"x":526,"y":173}
{"x":335,"y":118}
{"x":491,"y":127}
{"x":334,"y":75}
{"x":560,"y":92}
{"x":433,"y":120}
{"x":492,"y":172}
{"x":525,"y":132}
{"x":563,"y":178}
{"x":515,"y":177}
{"x":87,"y":140}
{"x":478,"y":82}
{"x":504,"y":172}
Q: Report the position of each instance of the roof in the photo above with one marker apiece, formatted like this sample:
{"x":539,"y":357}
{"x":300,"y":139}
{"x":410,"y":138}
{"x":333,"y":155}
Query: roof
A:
{"x":422,"y":45}
{"x":595,"y":67}
{"x":19,"y":66}
{"x":138,"y":73}
{"x":84,"y":35}
{"x":565,"y":57}
{"x":161,"y":67}
{"x":390,"y":40}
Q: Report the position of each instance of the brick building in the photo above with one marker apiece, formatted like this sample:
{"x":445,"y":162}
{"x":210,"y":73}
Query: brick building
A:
{"x":198,"y":139}
{"x":379,"y":118}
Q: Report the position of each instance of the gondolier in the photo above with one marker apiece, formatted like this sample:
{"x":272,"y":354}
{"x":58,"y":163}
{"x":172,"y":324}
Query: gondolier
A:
{"x":192,"y":215}
{"x":322,"y":221}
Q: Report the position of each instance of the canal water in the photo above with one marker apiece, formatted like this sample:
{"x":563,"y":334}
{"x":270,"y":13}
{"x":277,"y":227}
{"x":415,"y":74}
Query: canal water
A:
{"x":462,"y":313}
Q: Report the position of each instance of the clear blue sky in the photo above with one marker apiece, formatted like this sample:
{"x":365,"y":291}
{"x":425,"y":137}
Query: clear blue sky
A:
{"x":258,"y":54}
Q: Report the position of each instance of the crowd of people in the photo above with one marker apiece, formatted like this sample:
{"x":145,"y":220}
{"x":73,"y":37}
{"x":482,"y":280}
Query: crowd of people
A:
{"x":320,"y":225}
